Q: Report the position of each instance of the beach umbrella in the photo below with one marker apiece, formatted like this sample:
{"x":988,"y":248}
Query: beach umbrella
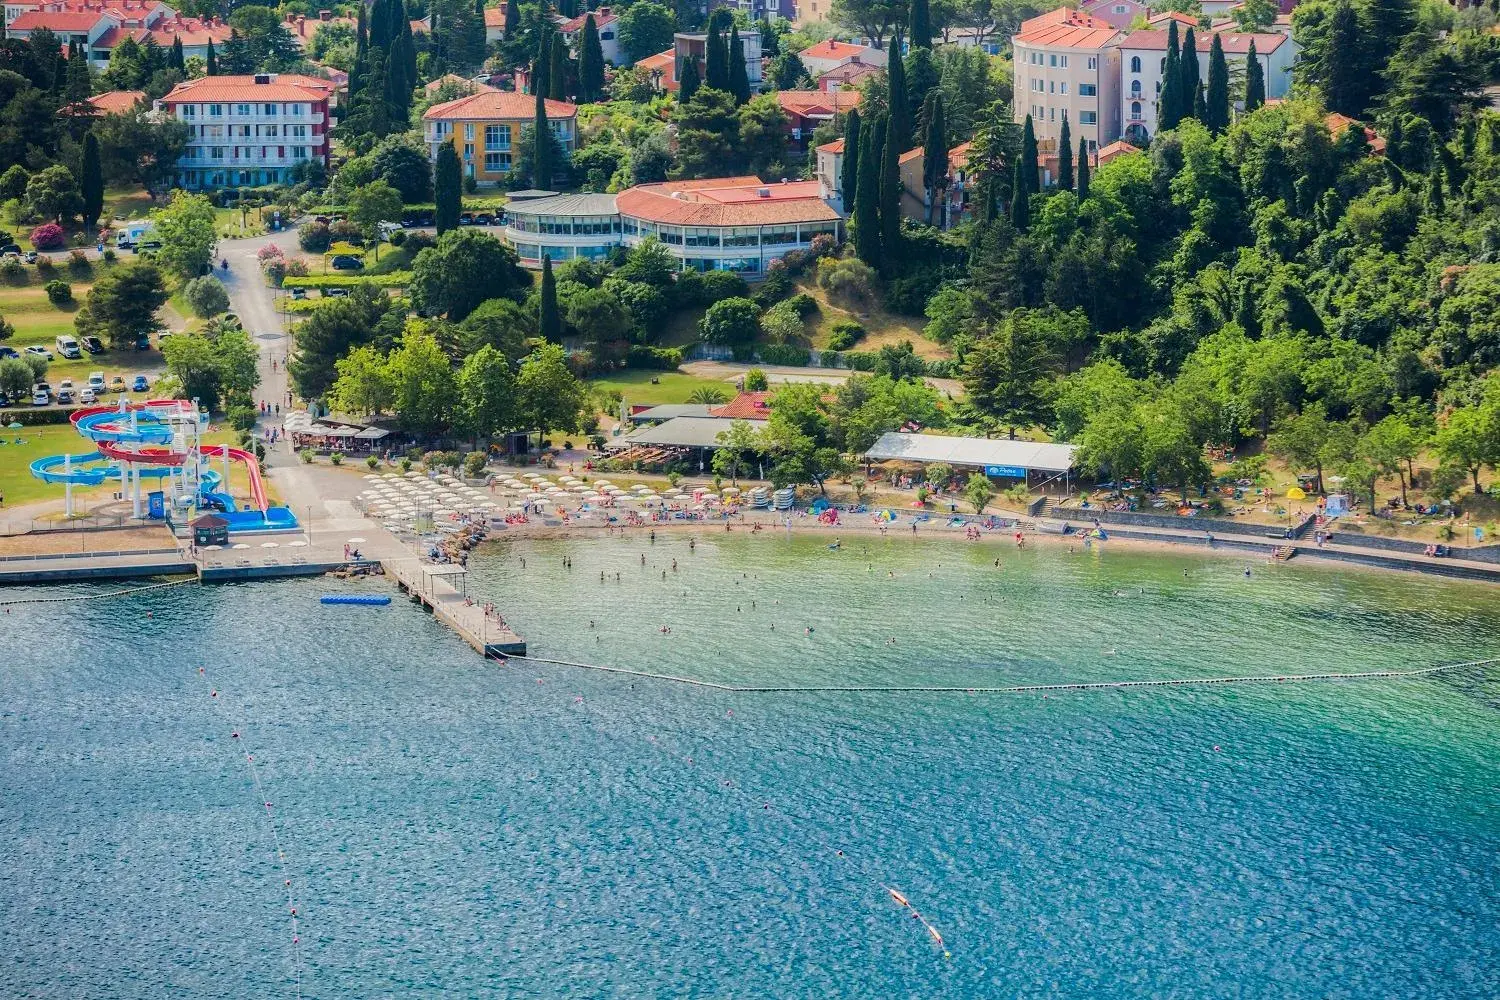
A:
{"x":372,"y":479}
{"x":673,"y":492}
{"x":269,"y":545}
{"x":591,"y":495}
{"x":299,"y":543}
{"x":239,"y":545}
{"x":213,"y":548}
{"x":15,"y":425}
{"x":355,"y":540}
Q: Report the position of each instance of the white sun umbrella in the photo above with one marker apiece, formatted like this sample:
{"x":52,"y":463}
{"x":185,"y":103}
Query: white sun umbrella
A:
{"x":371,"y":478}
{"x":269,"y":545}
{"x":299,"y":543}
{"x":591,"y":495}
{"x":581,"y":488}
{"x":641,"y":488}
{"x":415,"y":475}
{"x":239,"y":545}
{"x":533,"y":495}
{"x":672,"y":492}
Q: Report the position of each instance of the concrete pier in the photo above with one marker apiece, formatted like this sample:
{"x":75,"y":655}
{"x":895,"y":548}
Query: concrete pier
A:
{"x":430,"y":585}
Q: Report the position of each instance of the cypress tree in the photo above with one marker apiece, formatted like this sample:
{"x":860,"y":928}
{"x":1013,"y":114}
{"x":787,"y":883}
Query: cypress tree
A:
{"x":1169,"y":101}
{"x":1216,"y":103}
{"x":1083,"y":169}
{"x":541,"y":147}
{"x":92,"y":182}
{"x":1020,"y":201}
{"x":1200,"y":107}
{"x":379,"y":26}
{"x":1030,"y":171}
{"x":716,"y":56}
{"x":739,"y":77}
{"x":375,"y":95}
{"x":80,"y":83}
{"x":897,"y":98}
{"x":934,"y":151}
{"x":557,"y":64}
{"x":408,"y":46}
{"x":177,"y":62}
{"x":590,"y":62}
{"x":1065,"y":156}
{"x":447,"y":187}
{"x":1255,"y":80}
{"x":361,"y":66}
{"x":689,"y":84}
{"x":920,"y":27}
{"x":1344,"y":78}
{"x":1190,"y":75}
{"x":867,"y":200}
{"x":211,"y":61}
{"x":1434,"y":192}
{"x":890,"y":197}
{"x":512,"y":17}
{"x":549,"y":323}
{"x":849,"y":179}
{"x":541,"y":72}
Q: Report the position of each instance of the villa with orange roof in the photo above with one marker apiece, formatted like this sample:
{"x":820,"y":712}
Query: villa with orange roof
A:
{"x":829,"y":55}
{"x":1143,"y":57}
{"x":805,"y":110}
{"x":606,"y":22}
{"x":250,"y":130}
{"x":739,"y":224}
{"x":1067,"y":65}
{"x":486,"y":127}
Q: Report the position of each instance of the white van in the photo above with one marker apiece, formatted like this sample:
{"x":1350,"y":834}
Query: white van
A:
{"x":131,"y":233}
{"x":68,"y":347}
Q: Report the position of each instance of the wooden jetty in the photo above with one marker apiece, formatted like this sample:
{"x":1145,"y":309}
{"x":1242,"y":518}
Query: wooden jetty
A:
{"x":432,"y":585}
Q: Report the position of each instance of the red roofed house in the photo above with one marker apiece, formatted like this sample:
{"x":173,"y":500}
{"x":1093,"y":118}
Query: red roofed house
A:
{"x":486,"y":127}
{"x":745,"y":406}
{"x":851,"y":74}
{"x":250,"y":130}
{"x":827,"y":56}
{"x":1339,"y":124}
{"x":805,"y":110}
{"x":1067,"y":64}
{"x":303,"y":28}
{"x":829,"y":170}
{"x":662,"y":68}
{"x":117,"y":102}
{"x":606,"y":23}
{"x":1114,"y":150}
{"x":494,"y":24}
{"x":96,"y":24}
{"x":195,"y":33}
{"x":1143,"y":55}
{"x":952,"y":206}
{"x":1120,"y":13}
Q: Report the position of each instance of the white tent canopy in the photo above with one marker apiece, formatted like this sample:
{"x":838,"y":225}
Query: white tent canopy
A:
{"x":979,"y":453}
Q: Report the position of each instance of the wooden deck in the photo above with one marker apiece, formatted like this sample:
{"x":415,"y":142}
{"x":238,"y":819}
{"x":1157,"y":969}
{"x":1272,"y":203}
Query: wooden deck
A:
{"x":430,"y":586}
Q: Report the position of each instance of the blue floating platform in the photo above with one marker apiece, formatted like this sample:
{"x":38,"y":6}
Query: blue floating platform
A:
{"x":370,"y":599}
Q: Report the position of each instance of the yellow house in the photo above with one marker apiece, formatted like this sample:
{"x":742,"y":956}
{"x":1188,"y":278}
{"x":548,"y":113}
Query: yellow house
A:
{"x":486,"y":127}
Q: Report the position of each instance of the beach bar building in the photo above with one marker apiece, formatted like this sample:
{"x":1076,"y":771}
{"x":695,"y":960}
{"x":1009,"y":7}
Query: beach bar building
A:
{"x":1035,"y":463}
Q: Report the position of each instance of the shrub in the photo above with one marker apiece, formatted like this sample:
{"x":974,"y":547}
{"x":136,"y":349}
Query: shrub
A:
{"x":418,"y":241}
{"x":781,"y":323}
{"x":314,"y":237}
{"x":306,"y":455}
{"x":861,"y":361}
{"x":13,"y":271}
{"x":776,"y":286}
{"x":49,"y":236}
{"x":337,"y":458}
{"x":848,"y":280}
{"x":908,"y":294}
{"x":794,"y":263}
{"x":78,"y":262}
{"x":844,"y":334}
{"x":756,"y":381}
{"x":242,"y":418}
{"x":206,"y":296}
{"x":474,"y":463}
{"x":664,"y":359}
{"x":831,"y":359}
{"x":296,"y":269}
{"x":269,"y":252}
{"x":805,"y":304}
{"x":716,"y":286}
{"x":397,"y":238}
{"x":784,"y":354}
{"x":730,"y":321}
{"x":372,"y":463}
{"x":405,"y":465}
{"x":45,"y":267}
{"x":110,"y":255}
{"x":59,"y":293}
{"x":275,"y":271}
{"x":344,"y":231}
{"x":823,"y":245}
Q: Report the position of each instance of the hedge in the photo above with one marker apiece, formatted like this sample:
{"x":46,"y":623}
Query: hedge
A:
{"x":665,"y":359}
{"x":784,"y":354}
{"x":39,"y":417}
{"x":396,"y":279}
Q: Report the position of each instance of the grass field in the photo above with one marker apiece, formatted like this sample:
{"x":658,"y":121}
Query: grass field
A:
{"x":881,"y":327}
{"x":672,"y":387}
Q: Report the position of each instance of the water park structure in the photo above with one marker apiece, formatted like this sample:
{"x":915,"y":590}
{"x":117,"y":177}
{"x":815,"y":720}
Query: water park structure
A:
{"x":160,"y":439}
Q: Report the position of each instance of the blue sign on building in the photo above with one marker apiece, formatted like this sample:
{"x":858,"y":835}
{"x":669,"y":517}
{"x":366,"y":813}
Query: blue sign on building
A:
{"x":157,"y":502}
{"x":1002,"y":471}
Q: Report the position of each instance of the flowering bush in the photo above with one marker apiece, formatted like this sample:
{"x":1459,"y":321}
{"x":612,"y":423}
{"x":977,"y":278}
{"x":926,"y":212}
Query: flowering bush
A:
{"x":275,"y":270}
{"x":269,"y":252}
{"x":296,"y":269}
{"x":49,"y":236}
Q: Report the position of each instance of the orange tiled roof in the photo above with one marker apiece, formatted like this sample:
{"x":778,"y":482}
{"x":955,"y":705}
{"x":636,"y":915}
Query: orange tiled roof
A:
{"x":664,"y":63}
{"x":833,"y":49}
{"x":117,"y":102}
{"x":1066,"y":28}
{"x":506,"y":105}
{"x":745,"y":406}
{"x":494,"y":17}
{"x":836,"y":147}
{"x":826,"y":102}
{"x":115,"y":34}
{"x":576,"y":24}
{"x":1339,"y":124}
{"x":1117,"y":148}
{"x":726,"y":201}
{"x":473,"y":86}
{"x":192,"y":31}
{"x":909,"y":155}
{"x":1186,"y":20}
{"x":283,"y":87}
{"x":958,"y":156}
{"x":60,"y":20}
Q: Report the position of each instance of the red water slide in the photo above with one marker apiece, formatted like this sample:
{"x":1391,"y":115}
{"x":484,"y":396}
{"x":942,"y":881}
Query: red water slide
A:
{"x":257,"y":488}
{"x":152,"y":455}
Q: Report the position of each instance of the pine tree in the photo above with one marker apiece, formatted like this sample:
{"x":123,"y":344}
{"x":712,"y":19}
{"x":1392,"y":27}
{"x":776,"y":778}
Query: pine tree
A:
{"x":541,"y":146}
{"x":91,"y":184}
{"x":867,"y":200}
{"x":1345,"y":86}
{"x":716,"y":56}
{"x":558,"y":66}
{"x":1030,"y":169}
{"x":177,"y":62}
{"x":934,"y":151}
{"x":1020,"y":201}
{"x":590,"y":62}
{"x":1083,"y":169}
{"x":80,"y":83}
{"x":1169,"y":101}
{"x":211,"y":61}
{"x":920,"y":26}
{"x":1255,"y":80}
{"x":447,"y":186}
{"x":1190,"y":75}
{"x":1065,"y":156}
{"x":890,"y":197}
{"x":739,"y":77}
{"x":897,"y":98}
{"x":1216,"y":103}
{"x":690,"y":82}
{"x":849,"y":179}
{"x":549,"y":323}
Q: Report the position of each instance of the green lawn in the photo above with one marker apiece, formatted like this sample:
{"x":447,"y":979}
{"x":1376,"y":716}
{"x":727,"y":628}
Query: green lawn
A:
{"x":672,"y":387}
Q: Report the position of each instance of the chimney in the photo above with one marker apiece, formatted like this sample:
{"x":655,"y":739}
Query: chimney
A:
{"x":325,"y":15}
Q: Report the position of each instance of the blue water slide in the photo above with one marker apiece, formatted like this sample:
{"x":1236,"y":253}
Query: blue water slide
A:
{"x":86,"y":470}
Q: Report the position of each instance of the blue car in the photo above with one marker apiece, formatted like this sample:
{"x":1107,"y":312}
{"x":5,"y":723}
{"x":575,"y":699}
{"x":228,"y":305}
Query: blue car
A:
{"x":140,"y":384}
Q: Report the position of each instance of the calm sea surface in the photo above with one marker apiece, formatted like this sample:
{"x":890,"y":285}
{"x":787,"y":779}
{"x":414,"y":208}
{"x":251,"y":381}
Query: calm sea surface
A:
{"x":461,"y":828}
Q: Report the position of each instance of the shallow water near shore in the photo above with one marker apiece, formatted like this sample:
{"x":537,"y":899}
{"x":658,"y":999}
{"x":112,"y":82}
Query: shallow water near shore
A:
{"x":457,"y":827}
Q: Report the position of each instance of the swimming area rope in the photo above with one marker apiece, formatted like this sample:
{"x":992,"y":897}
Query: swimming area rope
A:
{"x":1017,"y":688}
{"x":100,"y":597}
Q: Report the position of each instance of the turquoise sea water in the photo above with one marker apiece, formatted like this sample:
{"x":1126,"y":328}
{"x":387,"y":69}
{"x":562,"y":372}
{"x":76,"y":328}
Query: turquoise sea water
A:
{"x":462,"y":828}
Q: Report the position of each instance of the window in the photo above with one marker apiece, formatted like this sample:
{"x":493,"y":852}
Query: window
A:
{"x":1163,"y":67}
{"x":1062,"y":87}
{"x":1062,"y":61}
{"x":190,"y":111}
{"x":1093,"y":62}
{"x":1135,"y":64}
{"x":268,"y":110}
{"x":272,"y":131}
{"x":1052,"y":114}
{"x":1135,"y":88}
{"x":1088,"y":90}
{"x":469,"y":152}
{"x":217,"y":153}
{"x":606,"y":35}
{"x":1052,"y":60}
{"x":1121,"y":8}
{"x":469,"y":131}
{"x":1088,"y":118}
{"x":296,"y":131}
{"x":497,"y":137}
{"x":1135,"y":111}
{"x":497,"y":163}
{"x":242,"y":109}
{"x":1051,"y":86}
{"x":216,"y":111}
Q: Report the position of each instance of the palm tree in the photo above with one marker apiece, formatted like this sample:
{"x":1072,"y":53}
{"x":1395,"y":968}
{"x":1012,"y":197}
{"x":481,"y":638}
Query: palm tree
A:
{"x":708,"y":396}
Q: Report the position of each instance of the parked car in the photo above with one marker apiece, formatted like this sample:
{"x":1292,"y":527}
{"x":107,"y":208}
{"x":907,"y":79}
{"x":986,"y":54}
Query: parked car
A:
{"x":347,"y":262}
{"x":67,"y":346}
{"x":141,"y":384}
{"x":88,"y":396}
{"x":93,"y":345}
{"x":40,"y":397}
{"x":9,"y":352}
{"x":299,"y":294}
{"x":484,"y":219}
{"x":10,"y":250}
{"x":64,"y":396}
{"x":335,"y":293}
{"x":143,"y":342}
{"x":96,"y":381}
{"x":117,"y":384}
{"x":31,"y":256}
{"x":39,"y":351}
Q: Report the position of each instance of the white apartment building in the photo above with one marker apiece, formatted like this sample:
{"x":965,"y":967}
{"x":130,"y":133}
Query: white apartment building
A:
{"x":1143,"y":59}
{"x":1067,"y":64}
{"x":249,"y":130}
